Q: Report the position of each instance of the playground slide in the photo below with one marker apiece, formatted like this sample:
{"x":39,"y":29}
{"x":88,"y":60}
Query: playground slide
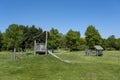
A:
{"x":67,"y":61}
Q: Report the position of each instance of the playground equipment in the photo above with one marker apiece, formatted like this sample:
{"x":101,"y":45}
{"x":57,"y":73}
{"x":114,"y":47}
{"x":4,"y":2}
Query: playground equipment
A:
{"x":40,"y":46}
{"x":67,"y":61}
{"x":40,"y":43}
{"x":98,"y":51}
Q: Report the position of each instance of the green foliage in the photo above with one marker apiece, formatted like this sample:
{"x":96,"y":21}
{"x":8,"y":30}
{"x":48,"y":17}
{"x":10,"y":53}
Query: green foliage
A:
{"x":13,"y":36}
{"x":20,"y":36}
{"x":111,"y":42}
{"x":63,"y":43}
{"x":118,"y":44}
{"x":72,"y":39}
{"x":54,"y":39}
{"x":92,"y":37}
{"x":23,"y":36}
{"x":1,"y":38}
{"x":29,"y":34}
{"x":83,"y":44}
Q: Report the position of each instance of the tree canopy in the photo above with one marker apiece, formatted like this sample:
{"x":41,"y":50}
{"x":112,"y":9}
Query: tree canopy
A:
{"x":118,"y":44}
{"x":92,"y":37}
{"x":54,"y":39}
{"x":1,"y":38}
{"x":23,"y":36}
{"x":13,"y":36}
{"x":29,"y":34}
{"x":72,"y":39}
{"x":111,"y":42}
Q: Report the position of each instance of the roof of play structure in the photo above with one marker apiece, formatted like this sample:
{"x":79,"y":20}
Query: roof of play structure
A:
{"x":98,"y":47}
{"x":42,"y":36}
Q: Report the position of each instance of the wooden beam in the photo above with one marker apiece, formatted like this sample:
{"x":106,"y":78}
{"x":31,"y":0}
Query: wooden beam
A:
{"x":14,"y":54}
{"x":34,"y":47}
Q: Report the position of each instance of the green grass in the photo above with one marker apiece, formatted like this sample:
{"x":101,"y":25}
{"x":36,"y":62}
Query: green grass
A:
{"x":46,"y":67}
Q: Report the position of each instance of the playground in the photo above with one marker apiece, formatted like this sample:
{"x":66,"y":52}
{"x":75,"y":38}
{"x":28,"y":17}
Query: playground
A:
{"x":47,"y":67}
{"x":63,"y":64}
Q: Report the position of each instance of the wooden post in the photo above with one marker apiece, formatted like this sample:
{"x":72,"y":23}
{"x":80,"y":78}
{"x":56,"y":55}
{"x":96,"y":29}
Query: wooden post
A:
{"x":14,"y":54}
{"x":97,"y":52}
{"x":34,"y":47}
{"x":46,"y":42}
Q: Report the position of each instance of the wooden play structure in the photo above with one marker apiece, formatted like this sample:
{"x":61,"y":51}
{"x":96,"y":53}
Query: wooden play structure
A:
{"x":40,"y":43}
{"x":97,"y":52}
{"x":40,"y":46}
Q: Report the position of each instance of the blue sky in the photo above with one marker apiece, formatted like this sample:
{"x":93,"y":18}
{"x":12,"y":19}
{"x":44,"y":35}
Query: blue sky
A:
{"x":63,"y":15}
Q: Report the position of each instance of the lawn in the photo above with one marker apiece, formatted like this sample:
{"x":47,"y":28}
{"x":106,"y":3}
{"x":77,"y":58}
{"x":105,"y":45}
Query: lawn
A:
{"x":46,"y":67}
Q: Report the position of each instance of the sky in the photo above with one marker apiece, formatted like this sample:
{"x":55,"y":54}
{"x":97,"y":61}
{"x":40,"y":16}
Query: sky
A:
{"x":63,"y":15}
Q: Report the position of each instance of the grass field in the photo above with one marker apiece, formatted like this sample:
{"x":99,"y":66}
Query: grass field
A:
{"x":46,"y":67}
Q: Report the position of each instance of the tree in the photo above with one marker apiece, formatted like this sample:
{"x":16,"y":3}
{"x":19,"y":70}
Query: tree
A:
{"x":1,"y":38}
{"x":104,"y":44}
{"x":54,"y":39}
{"x":29,"y":34}
{"x":62,"y":43}
{"x":25,"y":31}
{"x":118,"y":44}
{"x":92,"y":37}
{"x":111,"y":42}
{"x":82,"y":44}
{"x":72,"y":39}
{"x":13,"y":36}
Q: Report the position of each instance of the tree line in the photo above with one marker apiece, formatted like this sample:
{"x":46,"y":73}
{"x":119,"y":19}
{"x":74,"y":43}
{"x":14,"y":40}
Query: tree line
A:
{"x":21,"y":36}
